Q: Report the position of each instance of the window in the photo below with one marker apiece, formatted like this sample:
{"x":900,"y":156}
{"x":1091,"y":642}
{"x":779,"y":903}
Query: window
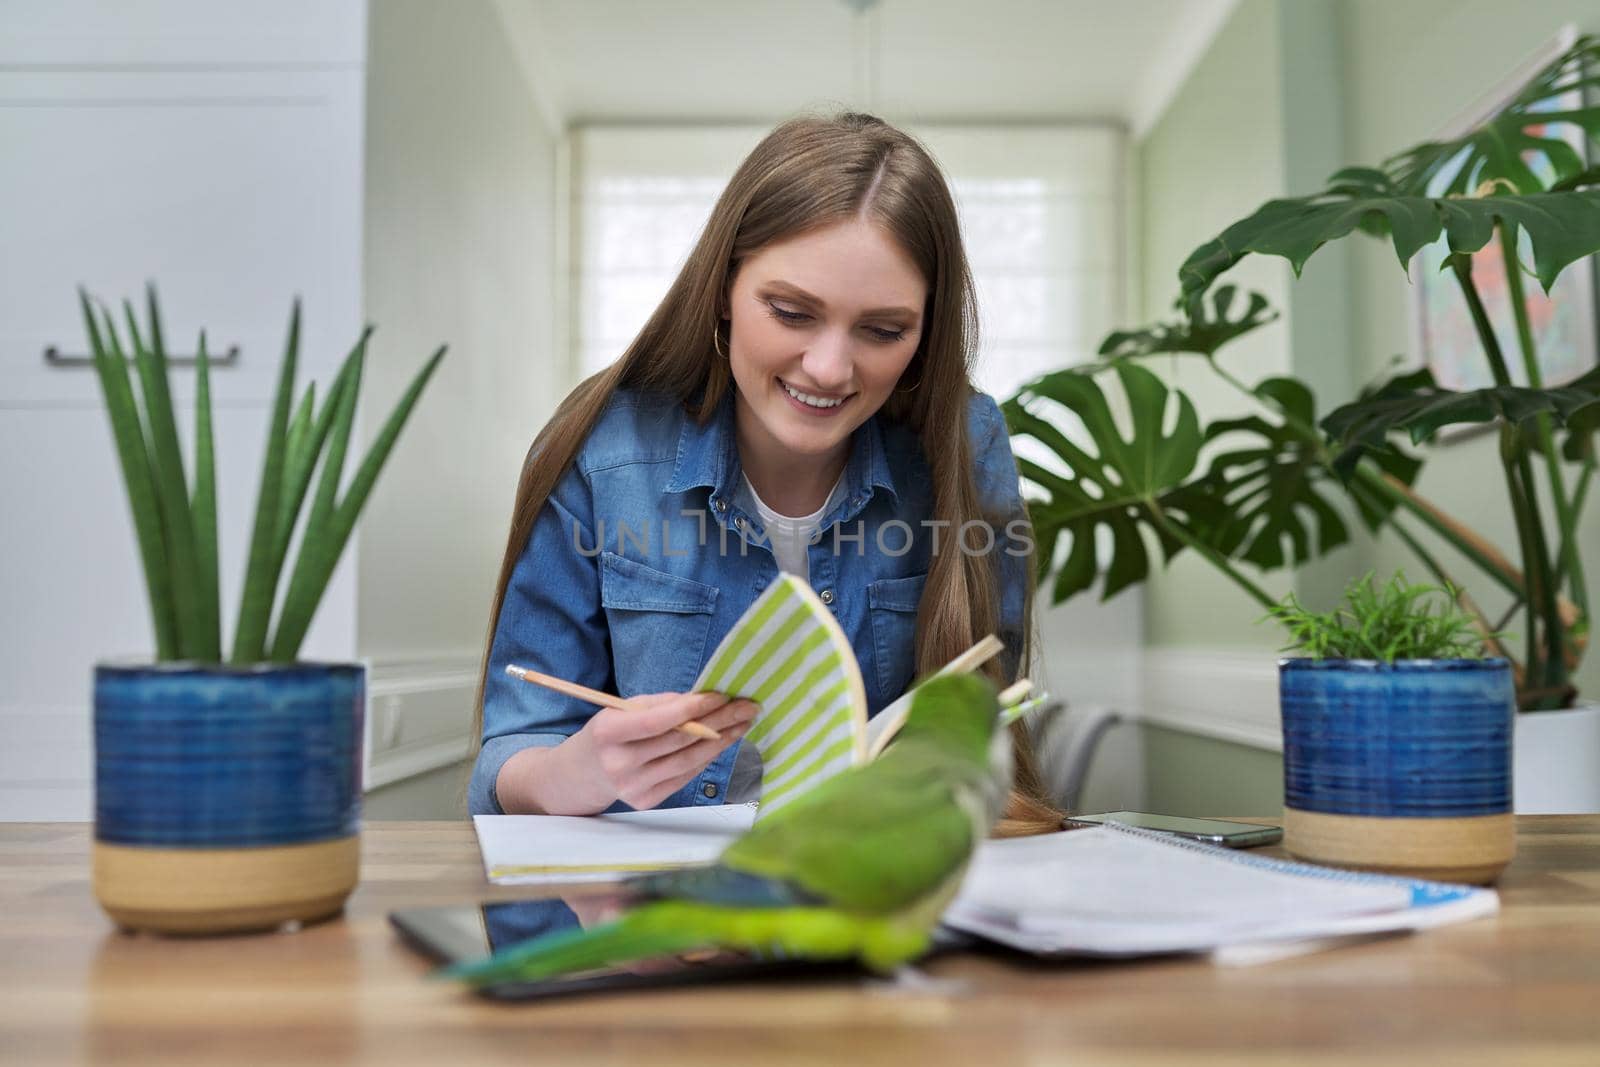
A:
{"x":1041,"y":213}
{"x":640,"y":197}
{"x":1041,"y":218}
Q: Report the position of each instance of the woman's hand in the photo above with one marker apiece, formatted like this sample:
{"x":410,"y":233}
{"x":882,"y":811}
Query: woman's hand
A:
{"x":640,"y":755}
{"x":633,"y":754}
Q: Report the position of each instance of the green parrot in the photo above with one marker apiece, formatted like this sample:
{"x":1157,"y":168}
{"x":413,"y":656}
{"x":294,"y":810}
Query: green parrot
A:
{"x":862,"y":866}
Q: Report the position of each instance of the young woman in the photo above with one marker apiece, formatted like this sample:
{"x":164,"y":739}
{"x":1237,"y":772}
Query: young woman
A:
{"x":800,"y":400}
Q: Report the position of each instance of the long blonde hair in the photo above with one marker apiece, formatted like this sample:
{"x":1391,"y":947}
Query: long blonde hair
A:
{"x":811,"y":172}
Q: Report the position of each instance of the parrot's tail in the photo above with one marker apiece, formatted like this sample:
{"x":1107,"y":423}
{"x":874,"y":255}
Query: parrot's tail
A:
{"x":636,"y":936}
{"x":671,"y":927}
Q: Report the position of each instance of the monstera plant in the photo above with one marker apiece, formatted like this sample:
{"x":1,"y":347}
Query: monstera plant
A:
{"x":1280,"y":486}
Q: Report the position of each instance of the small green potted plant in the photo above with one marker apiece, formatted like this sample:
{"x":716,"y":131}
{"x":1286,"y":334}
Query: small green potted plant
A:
{"x":1396,"y":735}
{"x":228,"y":790}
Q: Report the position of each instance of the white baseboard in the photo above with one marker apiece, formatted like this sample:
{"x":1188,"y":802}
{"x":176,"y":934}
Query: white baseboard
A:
{"x":46,"y":762}
{"x":419,"y":716}
{"x":43,"y":801}
{"x":1220,"y":693}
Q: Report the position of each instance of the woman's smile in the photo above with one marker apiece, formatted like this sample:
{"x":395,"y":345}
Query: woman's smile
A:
{"x":813,"y":404}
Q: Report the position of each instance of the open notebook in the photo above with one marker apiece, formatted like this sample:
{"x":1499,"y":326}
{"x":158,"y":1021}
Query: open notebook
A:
{"x":788,"y":653}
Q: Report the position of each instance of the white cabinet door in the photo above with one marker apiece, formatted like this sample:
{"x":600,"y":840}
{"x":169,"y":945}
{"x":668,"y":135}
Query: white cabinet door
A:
{"x":193,"y":145}
{"x":231,"y":191}
{"x":150,"y":34}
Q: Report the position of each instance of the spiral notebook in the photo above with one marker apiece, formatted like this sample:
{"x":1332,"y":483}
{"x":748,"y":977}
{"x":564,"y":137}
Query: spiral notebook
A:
{"x":1123,"y":891}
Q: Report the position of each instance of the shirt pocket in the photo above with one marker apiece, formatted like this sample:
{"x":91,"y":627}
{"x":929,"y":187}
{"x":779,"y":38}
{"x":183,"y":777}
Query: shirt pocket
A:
{"x":658,"y":623}
{"x":892,"y":603}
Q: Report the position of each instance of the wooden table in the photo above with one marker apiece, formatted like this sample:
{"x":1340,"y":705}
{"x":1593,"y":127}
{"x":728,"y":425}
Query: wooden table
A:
{"x":1520,"y":988}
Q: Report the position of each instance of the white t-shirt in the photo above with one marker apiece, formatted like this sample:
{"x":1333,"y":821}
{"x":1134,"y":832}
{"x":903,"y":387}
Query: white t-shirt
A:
{"x":789,"y":535}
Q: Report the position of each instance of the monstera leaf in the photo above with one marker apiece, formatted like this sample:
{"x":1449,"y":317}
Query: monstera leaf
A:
{"x":1200,"y":333}
{"x":1276,"y":487}
{"x":1562,"y":227}
{"x":1416,"y":406}
{"x":1116,"y":484}
{"x":1498,"y":150}
{"x":1431,"y":189}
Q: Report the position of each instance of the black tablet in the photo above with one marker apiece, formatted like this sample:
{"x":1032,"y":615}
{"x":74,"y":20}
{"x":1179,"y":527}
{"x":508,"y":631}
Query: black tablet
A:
{"x":473,"y":931}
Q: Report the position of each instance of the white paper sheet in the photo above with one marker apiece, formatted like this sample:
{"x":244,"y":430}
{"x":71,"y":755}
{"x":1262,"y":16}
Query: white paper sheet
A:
{"x":1114,"y":891}
{"x":550,"y":849}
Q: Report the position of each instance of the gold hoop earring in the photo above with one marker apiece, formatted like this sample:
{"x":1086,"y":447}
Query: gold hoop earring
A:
{"x":716,"y":336}
{"x":914,"y":388}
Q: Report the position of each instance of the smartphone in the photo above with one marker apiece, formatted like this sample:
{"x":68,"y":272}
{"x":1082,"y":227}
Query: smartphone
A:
{"x":472,"y":931}
{"x":1211,"y":831}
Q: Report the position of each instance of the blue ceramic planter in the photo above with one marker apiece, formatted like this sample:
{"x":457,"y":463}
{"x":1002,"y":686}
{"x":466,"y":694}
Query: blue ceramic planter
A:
{"x":1400,"y":766}
{"x":212,"y":778}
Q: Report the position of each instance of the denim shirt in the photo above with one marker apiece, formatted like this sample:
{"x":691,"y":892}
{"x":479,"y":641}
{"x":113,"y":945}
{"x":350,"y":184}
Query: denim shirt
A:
{"x":650,"y":548}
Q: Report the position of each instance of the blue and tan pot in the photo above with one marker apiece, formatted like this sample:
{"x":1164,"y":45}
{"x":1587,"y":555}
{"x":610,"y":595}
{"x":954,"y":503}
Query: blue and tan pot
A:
{"x":226,"y":798}
{"x":1402,"y":767}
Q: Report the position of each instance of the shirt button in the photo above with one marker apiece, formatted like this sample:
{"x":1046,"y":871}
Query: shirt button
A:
{"x":721,"y":505}
{"x":827,"y":596}
{"x":709,"y":789}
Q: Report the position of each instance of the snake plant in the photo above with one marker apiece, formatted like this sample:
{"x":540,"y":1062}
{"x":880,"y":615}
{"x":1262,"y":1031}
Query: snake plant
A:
{"x":175,"y":517}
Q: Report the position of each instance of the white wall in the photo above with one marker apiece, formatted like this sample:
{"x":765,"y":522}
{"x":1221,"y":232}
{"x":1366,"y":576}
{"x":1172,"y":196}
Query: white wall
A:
{"x":458,"y":248}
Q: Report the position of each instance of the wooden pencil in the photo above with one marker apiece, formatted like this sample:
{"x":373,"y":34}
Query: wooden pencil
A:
{"x":897,"y":710}
{"x":604,"y":700}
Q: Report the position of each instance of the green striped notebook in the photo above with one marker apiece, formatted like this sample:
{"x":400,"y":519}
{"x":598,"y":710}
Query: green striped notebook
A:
{"x":788,"y":654}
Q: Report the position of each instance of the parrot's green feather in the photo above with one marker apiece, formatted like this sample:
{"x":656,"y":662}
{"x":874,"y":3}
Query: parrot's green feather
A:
{"x":635,"y":936}
{"x":669,"y":927}
{"x":861,"y":866}
{"x":896,"y":822}
{"x":893,"y":817}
